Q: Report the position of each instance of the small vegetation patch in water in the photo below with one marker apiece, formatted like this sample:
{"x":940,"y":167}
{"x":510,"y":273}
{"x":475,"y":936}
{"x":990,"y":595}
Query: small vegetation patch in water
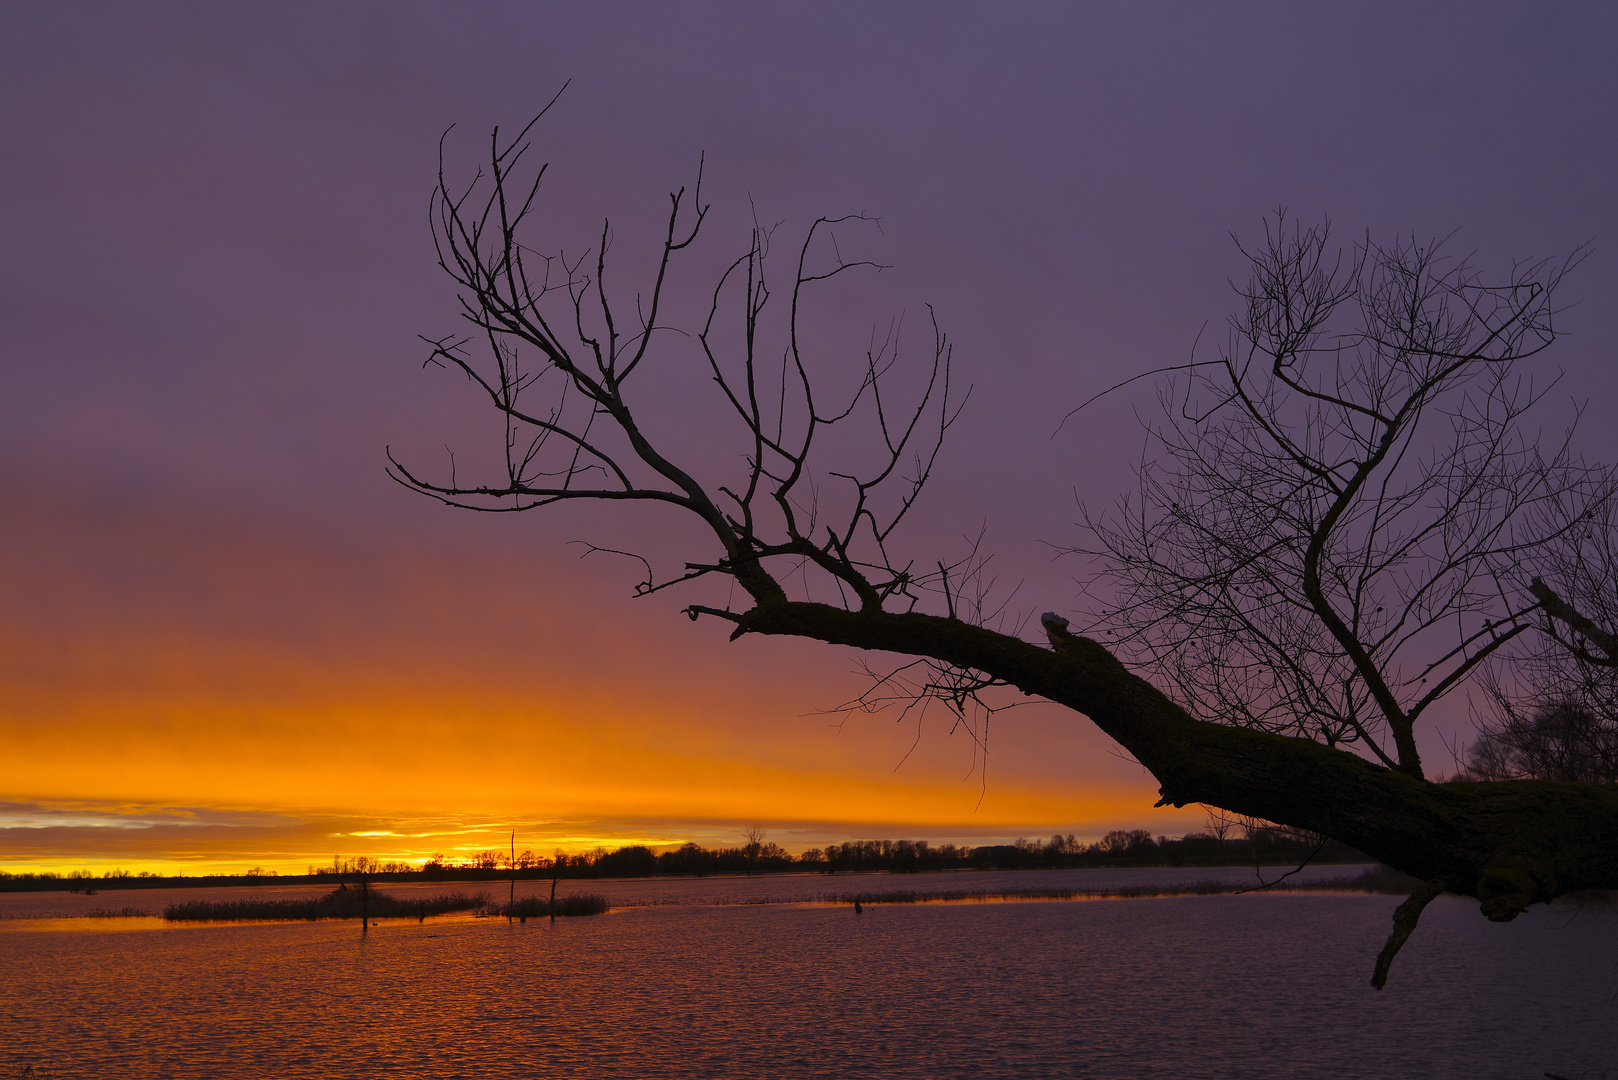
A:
{"x":348,"y":903}
{"x":341,"y":903}
{"x":118,"y":913}
{"x":1378,"y":879}
{"x":538,"y":907}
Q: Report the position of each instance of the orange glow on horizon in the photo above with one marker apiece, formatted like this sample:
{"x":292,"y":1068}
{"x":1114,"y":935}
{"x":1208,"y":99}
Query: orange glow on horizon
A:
{"x":313,"y":684}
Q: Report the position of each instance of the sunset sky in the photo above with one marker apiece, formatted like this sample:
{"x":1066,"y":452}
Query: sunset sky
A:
{"x":227,"y":640}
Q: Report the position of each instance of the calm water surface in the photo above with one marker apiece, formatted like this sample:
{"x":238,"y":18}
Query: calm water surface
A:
{"x":1217,"y":986}
{"x":715,"y":889}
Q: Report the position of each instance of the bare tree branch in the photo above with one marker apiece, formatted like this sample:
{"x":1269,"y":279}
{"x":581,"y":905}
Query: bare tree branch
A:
{"x":1345,"y":495}
{"x":572,"y":424}
{"x":1341,"y":521}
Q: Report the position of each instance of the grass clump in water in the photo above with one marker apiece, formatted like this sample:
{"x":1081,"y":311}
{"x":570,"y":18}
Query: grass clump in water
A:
{"x":1378,"y":879}
{"x":118,"y":913}
{"x":341,"y":903}
{"x":538,"y":907}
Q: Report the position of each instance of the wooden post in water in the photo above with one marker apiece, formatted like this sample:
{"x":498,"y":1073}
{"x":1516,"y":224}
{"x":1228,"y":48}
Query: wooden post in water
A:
{"x":511,"y":898}
{"x":365,"y":905}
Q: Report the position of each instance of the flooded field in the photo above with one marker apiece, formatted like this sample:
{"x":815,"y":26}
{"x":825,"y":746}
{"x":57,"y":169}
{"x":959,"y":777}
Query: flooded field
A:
{"x":718,"y":889}
{"x":696,"y":978}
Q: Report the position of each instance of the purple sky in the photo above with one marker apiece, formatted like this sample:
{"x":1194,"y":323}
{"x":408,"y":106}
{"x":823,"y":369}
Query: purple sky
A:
{"x":214,"y":262}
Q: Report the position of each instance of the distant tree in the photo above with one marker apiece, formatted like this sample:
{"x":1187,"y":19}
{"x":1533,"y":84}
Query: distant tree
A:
{"x":634,"y":860}
{"x":1566,"y":740}
{"x":688,"y":858}
{"x":1220,"y":826}
{"x":753,"y":850}
{"x":1554,"y":714}
{"x":1126,"y":844}
{"x":1062,"y":847}
{"x":1341,"y":523}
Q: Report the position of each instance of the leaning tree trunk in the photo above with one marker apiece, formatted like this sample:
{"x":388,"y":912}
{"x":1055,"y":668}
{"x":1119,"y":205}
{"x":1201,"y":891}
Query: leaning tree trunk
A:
{"x":1507,"y":844}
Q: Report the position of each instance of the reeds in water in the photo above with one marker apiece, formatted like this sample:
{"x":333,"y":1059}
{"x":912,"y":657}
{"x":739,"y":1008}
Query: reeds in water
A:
{"x":1378,"y":879}
{"x":340,"y":903}
{"x":118,"y":913}
{"x":346,"y":903}
{"x":538,"y":907}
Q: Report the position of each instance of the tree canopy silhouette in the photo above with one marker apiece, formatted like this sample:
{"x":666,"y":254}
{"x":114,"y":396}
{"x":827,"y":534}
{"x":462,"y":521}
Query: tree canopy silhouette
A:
{"x":1342,"y":523}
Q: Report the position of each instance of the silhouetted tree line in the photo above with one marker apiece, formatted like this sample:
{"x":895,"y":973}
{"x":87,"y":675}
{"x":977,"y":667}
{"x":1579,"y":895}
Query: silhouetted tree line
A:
{"x":1252,"y":843}
{"x":1261,"y":843}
